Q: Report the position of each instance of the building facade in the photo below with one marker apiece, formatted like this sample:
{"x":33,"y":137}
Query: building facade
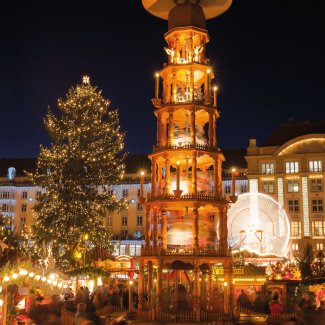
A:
{"x":18,"y":196}
{"x":292,"y":172}
{"x":290,"y":168}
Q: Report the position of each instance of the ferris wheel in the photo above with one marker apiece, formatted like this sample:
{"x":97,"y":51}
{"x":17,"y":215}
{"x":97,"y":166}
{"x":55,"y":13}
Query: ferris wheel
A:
{"x":257,"y":223}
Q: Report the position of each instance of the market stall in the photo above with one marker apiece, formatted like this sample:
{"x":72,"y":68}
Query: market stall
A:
{"x":27,"y":291}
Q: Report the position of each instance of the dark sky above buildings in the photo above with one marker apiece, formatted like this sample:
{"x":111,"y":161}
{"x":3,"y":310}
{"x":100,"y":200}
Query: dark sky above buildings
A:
{"x":268,"y":57}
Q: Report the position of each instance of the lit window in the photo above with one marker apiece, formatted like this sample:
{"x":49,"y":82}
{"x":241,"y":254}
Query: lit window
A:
{"x":316,"y":185}
{"x":124,"y":220}
{"x":211,"y":217}
{"x":132,"y":250}
{"x":319,"y":246}
{"x":293,"y":185}
{"x":110,"y":221}
{"x":227,"y":189}
{"x":243,"y":188}
{"x":116,"y":250}
{"x":139,"y":221}
{"x":268,"y":187}
{"x":293,"y":205}
{"x":137,"y":250}
{"x":292,"y":167}
{"x":139,"y":192}
{"x":295,"y":246}
{"x":4,"y":195}
{"x":295,"y":228}
{"x":267,"y":168}
{"x":24,"y":207}
{"x":23,"y":220}
{"x":317,"y":228}
{"x":24,"y":195}
{"x":122,"y":249}
{"x":125,"y":193}
{"x":315,"y":166}
{"x":38,"y":193}
{"x":139,"y":206}
{"x":317,"y":205}
{"x":4,"y":207}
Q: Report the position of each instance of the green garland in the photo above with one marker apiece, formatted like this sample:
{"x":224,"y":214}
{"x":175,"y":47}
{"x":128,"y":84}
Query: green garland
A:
{"x":91,"y":271}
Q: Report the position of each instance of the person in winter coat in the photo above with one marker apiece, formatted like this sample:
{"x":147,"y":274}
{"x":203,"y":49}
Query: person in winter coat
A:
{"x":276,"y":308}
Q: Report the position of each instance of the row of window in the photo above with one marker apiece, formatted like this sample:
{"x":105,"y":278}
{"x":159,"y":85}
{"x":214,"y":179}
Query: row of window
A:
{"x":5,"y":207}
{"x":292,"y":167}
{"x":316,"y":185}
{"x":243,"y":188}
{"x":131,"y":250}
{"x":24,"y":194}
{"x":317,"y":228}
{"x":316,"y":205}
{"x":319,"y":246}
{"x":124,"y":220}
{"x":4,"y":195}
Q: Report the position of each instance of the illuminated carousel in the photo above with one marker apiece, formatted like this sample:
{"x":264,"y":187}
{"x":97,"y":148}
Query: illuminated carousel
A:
{"x":183,"y":242}
{"x":258,"y":224}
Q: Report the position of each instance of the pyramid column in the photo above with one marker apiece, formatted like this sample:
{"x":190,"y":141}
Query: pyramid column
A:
{"x":164,"y":230}
{"x":195,"y":217}
{"x":148,"y":232}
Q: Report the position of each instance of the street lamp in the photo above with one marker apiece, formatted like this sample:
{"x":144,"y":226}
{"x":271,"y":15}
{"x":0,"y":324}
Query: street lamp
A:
{"x":130,"y":295}
{"x":233,"y":196}
{"x":141,"y":198}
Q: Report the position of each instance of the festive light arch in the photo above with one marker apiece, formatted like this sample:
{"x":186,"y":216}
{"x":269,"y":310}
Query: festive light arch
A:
{"x":258,"y":223}
{"x":52,"y":280}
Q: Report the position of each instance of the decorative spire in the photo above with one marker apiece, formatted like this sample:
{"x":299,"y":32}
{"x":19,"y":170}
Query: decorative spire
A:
{"x":86,"y":80}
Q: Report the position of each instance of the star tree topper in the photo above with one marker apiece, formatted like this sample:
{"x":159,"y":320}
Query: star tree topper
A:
{"x":86,"y":80}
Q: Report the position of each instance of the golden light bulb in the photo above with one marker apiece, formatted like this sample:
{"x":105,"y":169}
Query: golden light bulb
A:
{"x":208,"y":71}
{"x":215,"y":88}
{"x":233,"y":170}
{"x":178,"y":162}
{"x":142,"y":173}
{"x":157,"y":75}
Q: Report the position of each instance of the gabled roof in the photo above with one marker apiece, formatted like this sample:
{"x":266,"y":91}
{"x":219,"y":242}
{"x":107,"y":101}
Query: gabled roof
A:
{"x":293,"y":130}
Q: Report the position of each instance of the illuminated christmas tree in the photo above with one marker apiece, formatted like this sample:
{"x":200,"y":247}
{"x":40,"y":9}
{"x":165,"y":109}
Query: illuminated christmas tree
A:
{"x":77,"y":172}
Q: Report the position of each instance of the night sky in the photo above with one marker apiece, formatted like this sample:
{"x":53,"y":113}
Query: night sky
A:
{"x":268,"y":57}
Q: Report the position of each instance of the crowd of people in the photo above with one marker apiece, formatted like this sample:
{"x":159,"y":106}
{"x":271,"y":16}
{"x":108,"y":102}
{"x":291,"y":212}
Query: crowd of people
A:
{"x":305,"y":311}
{"x":89,"y":306}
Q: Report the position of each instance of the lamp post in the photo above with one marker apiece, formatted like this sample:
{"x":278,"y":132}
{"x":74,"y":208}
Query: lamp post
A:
{"x":157,"y":85}
{"x":141,"y":198}
{"x":130,"y":295}
{"x":233,"y":196}
{"x":142,"y":183}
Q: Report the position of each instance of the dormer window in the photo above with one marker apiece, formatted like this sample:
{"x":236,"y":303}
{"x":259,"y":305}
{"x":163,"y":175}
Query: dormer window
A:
{"x":11,"y":173}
